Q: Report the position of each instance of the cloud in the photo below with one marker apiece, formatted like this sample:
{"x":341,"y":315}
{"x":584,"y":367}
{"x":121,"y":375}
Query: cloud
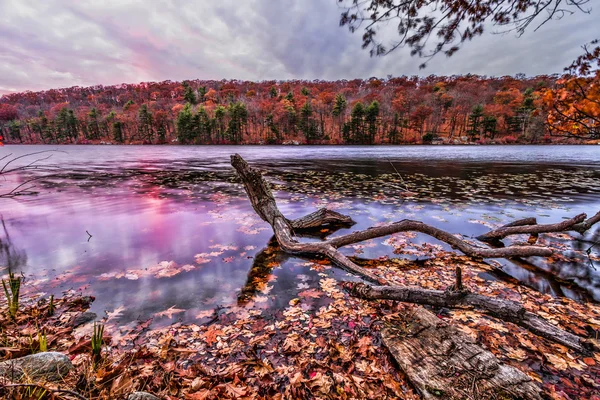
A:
{"x":60,"y":43}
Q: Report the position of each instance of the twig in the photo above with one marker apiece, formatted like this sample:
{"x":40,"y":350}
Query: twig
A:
{"x":405,"y":188}
{"x":4,"y":171}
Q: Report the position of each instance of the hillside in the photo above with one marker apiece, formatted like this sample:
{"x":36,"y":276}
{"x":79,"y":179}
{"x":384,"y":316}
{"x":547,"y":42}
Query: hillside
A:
{"x":456,"y":109}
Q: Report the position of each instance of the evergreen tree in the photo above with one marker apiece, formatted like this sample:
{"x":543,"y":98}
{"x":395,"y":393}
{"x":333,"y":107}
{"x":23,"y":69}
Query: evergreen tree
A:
{"x":14,"y":130}
{"x":188,"y":93}
{"x":61,"y":124}
{"x":307,"y":125}
{"x":66,"y":125}
{"x":489,"y":126}
{"x":203,"y":126}
{"x":475,"y":122}
{"x":238,"y":118}
{"x":219,"y":122}
{"x":354,"y":130}
{"x":145,"y":124}
{"x":393,"y":134}
{"x":42,"y":127}
{"x":201,"y":93}
{"x":339,"y":109}
{"x":340,"y":105}
{"x":371,"y":114}
{"x":520,"y":121}
{"x":273,"y":135}
{"x":290,"y":118}
{"x":273,"y":92}
{"x":72,"y":125}
{"x":93,"y":127}
{"x":117,"y":128}
{"x":185,"y":125}
{"x":161,"y":132}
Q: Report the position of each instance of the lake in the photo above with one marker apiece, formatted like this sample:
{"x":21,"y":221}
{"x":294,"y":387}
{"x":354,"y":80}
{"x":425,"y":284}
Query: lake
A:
{"x":173,"y":236}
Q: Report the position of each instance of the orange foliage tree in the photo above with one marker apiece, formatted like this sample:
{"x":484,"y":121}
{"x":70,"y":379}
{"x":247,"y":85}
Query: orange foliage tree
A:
{"x":574,"y":105}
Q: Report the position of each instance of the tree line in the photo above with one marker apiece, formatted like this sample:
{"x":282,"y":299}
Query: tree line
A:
{"x":394,"y":110}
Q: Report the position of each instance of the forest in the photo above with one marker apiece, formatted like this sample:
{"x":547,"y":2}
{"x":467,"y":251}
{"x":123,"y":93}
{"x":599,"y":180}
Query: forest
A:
{"x":395,"y":110}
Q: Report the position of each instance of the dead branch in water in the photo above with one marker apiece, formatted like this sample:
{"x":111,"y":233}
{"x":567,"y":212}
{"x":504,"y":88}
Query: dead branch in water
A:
{"x":264,"y":204}
{"x":473,"y":367}
{"x":25,"y":187}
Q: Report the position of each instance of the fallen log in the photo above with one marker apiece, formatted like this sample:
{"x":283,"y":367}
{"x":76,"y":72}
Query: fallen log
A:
{"x":444,"y":363}
{"x":264,"y":204}
{"x":506,"y":310}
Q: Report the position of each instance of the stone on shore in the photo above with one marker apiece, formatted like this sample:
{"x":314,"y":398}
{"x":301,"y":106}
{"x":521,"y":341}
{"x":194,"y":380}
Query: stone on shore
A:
{"x":47,"y":366}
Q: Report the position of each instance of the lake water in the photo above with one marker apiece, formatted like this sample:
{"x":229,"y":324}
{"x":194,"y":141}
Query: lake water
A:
{"x":171,"y":228}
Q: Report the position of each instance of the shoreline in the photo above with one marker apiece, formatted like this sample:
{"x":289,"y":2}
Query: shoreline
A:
{"x":242,"y":352}
{"x":306,"y":144}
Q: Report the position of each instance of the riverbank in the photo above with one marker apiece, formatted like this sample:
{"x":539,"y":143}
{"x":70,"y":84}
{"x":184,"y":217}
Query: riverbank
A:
{"x":303,"y":351}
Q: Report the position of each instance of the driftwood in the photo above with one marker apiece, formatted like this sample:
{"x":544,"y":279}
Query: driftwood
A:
{"x":445,"y":363}
{"x":504,"y":379}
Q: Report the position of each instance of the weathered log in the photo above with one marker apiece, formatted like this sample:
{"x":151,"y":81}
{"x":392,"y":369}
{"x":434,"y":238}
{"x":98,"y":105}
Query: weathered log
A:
{"x":444,"y":363}
{"x":321,"y":217}
{"x":506,"y":310}
{"x":265,"y":206}
{"x":512,"y":229}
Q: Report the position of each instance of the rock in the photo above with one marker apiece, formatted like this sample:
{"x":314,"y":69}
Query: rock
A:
{"x":83,"y":318}
{"x":83,"y":301}
{"x":48,"y":366}
{"x":142,"y":396}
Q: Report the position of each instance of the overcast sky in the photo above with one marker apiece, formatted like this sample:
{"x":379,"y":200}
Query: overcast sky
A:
{"x":60,"y":43}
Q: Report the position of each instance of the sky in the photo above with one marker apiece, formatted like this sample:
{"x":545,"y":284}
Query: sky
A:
{"x":48,"y":44}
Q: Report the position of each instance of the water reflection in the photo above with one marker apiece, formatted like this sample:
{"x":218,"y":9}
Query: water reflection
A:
{"x":171,"y":226}
{"x":11,"y":258}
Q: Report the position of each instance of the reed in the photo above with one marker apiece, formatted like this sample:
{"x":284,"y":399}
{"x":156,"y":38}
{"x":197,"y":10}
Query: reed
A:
{"x":12,"y":287}
{"x":97,"y":341}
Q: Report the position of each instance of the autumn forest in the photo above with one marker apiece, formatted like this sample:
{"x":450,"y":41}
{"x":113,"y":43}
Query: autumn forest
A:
{"x":402,"y":110}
